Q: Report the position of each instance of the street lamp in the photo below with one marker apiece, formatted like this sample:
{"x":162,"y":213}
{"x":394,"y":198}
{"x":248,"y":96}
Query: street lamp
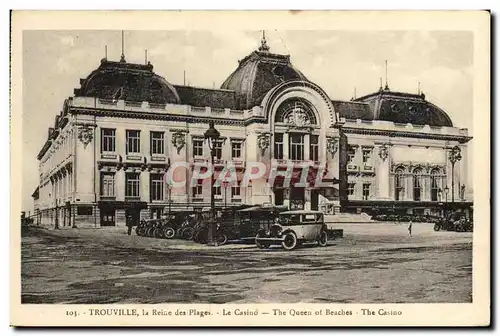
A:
{"x":446,"y":190}
{"x":212,"y":136}
{"x":455,"y":156}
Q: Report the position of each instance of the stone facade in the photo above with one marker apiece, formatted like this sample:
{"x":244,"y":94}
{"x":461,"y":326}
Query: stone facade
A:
{"x":109,"y":155}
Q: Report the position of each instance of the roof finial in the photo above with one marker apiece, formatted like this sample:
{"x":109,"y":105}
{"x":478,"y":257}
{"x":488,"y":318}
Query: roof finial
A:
{"x":122,"y":57}
{"x":146,"y":56}
{"x":105,"y":52}
{"x":380,"y":88}
{"x":418,"y":90}
{"x":263,"y":43}
{"x":386,"y":80}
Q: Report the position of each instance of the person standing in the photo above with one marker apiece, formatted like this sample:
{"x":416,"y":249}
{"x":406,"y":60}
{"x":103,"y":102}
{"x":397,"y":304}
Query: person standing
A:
{"x":130,"y":224}
{"x":410,"y":228}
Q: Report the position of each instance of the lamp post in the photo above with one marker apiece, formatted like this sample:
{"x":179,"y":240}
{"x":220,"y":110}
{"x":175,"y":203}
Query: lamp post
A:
{"x":446,"y":189}
{"x":212,"y":136}
{"x":169,"y":190}
{"x":454,"y":157}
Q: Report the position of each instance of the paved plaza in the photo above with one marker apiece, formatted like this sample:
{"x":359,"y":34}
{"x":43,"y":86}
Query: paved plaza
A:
{"x":373,"y":263}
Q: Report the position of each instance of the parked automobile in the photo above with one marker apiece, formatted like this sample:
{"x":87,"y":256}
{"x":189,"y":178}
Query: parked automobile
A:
{"x":165,"y":227}
{"x":292,"y":228}
{"x":454,"y":222}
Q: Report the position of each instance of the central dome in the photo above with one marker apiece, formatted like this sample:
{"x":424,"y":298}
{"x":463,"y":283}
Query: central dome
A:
{"x":258,"y":73}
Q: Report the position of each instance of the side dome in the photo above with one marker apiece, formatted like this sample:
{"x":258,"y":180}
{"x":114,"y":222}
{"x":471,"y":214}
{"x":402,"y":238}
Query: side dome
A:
{"x":403,"y":108}
{"x":257,"y":74}
{"x":127,"y":81}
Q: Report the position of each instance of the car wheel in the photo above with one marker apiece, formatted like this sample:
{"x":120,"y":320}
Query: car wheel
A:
{"x":221,"y":238}
{"x":261,"y":245}
{"x":187,"y":233}
{"x":168,"y":233}
{"x":436,"y":227}
{"x":323,"y":239}
{"x":289,"y":241}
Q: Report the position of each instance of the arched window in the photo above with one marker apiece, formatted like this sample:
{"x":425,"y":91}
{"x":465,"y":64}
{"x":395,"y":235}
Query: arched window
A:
{"x":417,"y":184}
{"x":435,"y":185}
{"x":399,"y":185}
{"x":297,"y":112}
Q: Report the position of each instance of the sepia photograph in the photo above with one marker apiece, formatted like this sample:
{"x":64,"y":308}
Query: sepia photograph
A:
{"x":248,"y":166}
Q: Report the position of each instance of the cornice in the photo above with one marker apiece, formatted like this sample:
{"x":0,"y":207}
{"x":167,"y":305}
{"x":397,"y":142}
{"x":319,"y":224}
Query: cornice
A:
{"x":406,"y":134}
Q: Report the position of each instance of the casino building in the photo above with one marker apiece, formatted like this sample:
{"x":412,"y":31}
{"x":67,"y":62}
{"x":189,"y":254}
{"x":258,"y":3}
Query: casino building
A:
{"x":110,"y":147}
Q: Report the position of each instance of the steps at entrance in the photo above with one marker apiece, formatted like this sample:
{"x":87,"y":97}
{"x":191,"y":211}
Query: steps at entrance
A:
{"x":344,"y":217}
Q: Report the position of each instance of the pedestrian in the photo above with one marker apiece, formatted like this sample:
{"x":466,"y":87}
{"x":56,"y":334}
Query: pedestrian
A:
{"x":130,"y":224}
{"x":409,"y":228}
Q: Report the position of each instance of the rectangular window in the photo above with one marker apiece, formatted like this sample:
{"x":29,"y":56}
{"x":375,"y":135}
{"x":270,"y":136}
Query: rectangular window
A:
{"x":278,"y":146}
{"x":84,"y":210}
{"x":157,"y":143}
{"x":367,"y":154}
{"x":236,"y":191}
{"x":197,"y":147}
{"x":236,"y":150}
{"x":218,"y":149}
{"x":366,"y":191}
{"x":156,"y":186}
{"x":297,"y":147}
{"x":350,"y":188}
{"x":351,"y":154}
{"x":132,"y":183}
{"x":108,"y":184}
{"x":314,"y":148}
{"x":108,"y":140}
{"x":198,"y":189}
{"x":217,"y":191}
{"x":133,"y":141}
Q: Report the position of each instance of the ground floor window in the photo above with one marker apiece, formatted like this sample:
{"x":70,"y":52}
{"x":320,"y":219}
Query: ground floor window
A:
{"x":107,"y":217}
{"x":366,"y":191}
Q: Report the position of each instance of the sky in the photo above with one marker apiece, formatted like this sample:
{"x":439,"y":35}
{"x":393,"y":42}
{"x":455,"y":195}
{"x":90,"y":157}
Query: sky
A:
{"x":338,"y":61}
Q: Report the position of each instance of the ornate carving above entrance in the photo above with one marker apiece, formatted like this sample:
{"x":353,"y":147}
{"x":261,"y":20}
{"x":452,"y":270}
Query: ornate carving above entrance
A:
{"x":296,"y":113}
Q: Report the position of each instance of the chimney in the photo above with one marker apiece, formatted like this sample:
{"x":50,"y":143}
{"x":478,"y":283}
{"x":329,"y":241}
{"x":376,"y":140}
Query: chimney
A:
{"x":51,"y":129}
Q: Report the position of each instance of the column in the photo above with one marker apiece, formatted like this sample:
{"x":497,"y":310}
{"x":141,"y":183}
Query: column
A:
{"x":307,"y":199}
{"x":144,"y":187}
{"x":307,"y":148}
{"x":286,"y":145}
{"x":382,"y":178}
{"x":120,"y":185}
{"x":409,"y":187}
{"x":145,"y":143}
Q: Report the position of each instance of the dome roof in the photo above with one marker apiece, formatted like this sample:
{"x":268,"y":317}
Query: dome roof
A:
{"x":258,"y":73}
{"x":127,"y":81}
{"x":403,"y":108}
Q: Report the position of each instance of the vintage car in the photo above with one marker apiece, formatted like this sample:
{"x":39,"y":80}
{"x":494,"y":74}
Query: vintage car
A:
{"x":292,"y":228}
{"x":238,"y":223}
{"x":454,"y":222}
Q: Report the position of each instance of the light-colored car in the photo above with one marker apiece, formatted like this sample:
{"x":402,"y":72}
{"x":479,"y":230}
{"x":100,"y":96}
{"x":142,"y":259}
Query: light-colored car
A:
{"x":293,"y":228}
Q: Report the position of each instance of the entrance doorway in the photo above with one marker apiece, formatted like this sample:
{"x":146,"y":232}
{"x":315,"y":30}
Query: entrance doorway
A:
{"x":297,"y":198}
{"x":135,"y":214}
{"x":314,"y":200}
{"x":107,"y":217}
{"x":278,"y":196}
